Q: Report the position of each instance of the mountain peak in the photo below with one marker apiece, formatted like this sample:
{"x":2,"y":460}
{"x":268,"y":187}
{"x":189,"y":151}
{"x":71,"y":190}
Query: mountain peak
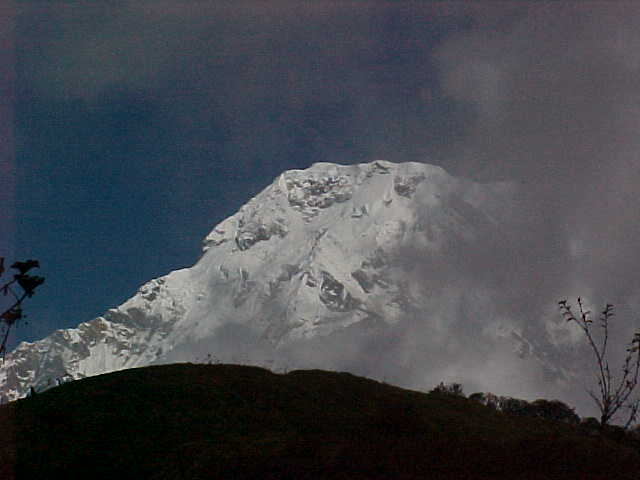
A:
{"x":312,"y":255}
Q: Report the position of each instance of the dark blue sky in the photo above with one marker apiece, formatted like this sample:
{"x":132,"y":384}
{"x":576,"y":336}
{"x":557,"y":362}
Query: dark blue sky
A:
{"x":140,"y":125}
{"x":138,"y":128}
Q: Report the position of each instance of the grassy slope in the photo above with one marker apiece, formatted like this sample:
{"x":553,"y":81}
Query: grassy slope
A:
{"x":188,"y":421}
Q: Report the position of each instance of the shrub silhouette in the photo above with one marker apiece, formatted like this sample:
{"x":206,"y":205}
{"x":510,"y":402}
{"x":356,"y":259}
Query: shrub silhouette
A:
{"x":28,"y":284}
{"x":554,"y":410}
{"x":448,"y":389}
{"x":515,"y":406}
{"x":590,"y":424}
{"x":487,"y":399}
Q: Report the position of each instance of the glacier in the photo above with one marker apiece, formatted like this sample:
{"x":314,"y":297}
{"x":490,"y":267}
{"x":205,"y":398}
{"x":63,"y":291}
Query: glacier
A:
{"x":308,"y":273}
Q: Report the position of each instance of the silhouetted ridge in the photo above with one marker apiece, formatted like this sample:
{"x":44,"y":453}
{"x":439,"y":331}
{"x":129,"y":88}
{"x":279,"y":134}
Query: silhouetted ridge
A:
{"x":227,"y":421}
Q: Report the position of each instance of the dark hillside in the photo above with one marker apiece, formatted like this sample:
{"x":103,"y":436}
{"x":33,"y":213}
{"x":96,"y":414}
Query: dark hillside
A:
{"x":188,"y":421}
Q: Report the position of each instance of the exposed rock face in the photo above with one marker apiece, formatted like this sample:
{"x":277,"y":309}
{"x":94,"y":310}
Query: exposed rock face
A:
{"x":335,"y":296}
{"x":406,"y":186}
{"x":311,"y":256}
{"x":309,"y":194}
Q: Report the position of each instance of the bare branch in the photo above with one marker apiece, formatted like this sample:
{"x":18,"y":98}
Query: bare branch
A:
{"x":612,"y":395}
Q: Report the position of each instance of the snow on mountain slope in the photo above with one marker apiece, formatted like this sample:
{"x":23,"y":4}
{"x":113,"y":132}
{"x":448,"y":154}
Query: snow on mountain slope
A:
{"x":312,"y":255}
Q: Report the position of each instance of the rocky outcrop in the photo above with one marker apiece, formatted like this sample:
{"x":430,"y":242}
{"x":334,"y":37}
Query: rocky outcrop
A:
{"x":405,"y":186}
{"x":310,"y":194}
{"x":250,"y":233}
{"x":335,"y":296}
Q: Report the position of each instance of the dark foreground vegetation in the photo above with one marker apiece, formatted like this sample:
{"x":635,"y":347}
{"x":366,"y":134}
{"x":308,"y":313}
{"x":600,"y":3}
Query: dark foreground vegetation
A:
{"x":189,"y":421}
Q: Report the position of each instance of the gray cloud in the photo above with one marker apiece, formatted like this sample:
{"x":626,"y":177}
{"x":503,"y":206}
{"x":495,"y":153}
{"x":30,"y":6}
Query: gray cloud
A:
{"x":554,"y":93}
{"x":556,"y":102}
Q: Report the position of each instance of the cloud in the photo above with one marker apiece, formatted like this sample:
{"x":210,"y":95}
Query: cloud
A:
{"x":555,"y":96}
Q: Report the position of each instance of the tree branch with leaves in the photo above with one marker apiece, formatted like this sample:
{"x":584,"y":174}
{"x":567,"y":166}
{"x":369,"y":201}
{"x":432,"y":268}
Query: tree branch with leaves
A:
{"x":612,"y":395}
{"x":28,"y":284}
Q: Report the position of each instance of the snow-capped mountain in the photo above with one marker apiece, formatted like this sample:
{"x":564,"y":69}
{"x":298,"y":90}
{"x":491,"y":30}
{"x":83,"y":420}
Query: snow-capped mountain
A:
{"x":304,"y":271}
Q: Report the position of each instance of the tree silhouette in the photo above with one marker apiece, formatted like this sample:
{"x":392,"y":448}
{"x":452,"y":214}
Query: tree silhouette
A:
{"x":28,"y":284}
{"x":448,"y":389}
{"x":611,"y":395}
